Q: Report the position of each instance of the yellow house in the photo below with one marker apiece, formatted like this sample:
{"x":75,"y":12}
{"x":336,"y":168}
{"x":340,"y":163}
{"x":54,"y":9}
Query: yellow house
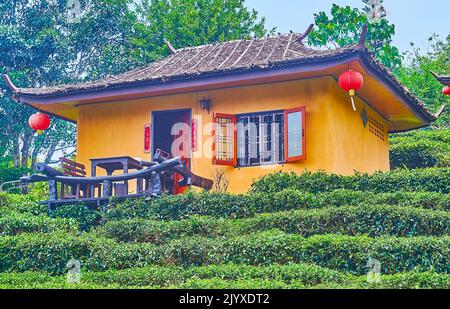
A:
{"x":245,"y":107}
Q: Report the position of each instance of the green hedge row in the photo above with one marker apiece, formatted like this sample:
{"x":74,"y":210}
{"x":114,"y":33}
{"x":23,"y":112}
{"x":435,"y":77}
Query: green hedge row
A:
{"x":21,"y":203}
{"x":227,"y":277}
{"x":29,"y":204}
{"x":409,"y":280}
{"x":159,"y":276}
{"x":347,"y":220}
{"x":50,"y":252}
{"x":342,"y":253}
{"x":85,"y":217}
{"x":16,"y":223}
{"x":430,"y":179}
{"x":223,"y":205}
{"x":420,"y":149}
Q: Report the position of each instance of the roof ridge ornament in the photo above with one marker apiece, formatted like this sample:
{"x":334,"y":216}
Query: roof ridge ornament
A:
{"x":10,"y":83}
{"x":170,"y":46}
{"x":363,"y":38}
{"x":306,"y":33}
{"x":443,"y":79}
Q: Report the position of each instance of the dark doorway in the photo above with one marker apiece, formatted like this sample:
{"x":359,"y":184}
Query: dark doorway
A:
{"x":171,"y":135}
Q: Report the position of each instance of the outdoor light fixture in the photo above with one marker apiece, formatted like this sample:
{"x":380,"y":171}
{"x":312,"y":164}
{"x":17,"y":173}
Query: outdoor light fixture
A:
{"x":205,"y":104}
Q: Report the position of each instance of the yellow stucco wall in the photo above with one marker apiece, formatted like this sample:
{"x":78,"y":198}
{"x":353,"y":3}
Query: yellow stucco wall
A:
{"x":336,"y":140}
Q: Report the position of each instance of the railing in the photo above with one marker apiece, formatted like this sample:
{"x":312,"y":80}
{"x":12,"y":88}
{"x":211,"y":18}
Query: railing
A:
{"x":152,"y":174}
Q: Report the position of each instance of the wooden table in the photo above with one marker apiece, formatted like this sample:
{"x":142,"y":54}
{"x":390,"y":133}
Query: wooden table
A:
{"x":112,"y":164}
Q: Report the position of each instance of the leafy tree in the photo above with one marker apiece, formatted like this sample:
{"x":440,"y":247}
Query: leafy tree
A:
{"x":53,"y":42}
{"x":41,"y":46}
{"x":344,"y":27}
{"x":415,"y":74}
{"x":191,"y":23}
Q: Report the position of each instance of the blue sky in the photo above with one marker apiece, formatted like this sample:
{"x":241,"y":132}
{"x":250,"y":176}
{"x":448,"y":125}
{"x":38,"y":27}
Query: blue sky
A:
{"x":415,"y":20}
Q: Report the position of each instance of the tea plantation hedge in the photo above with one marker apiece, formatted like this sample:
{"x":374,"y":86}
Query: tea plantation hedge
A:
{"x":312,"y":230}
{"x":347,"y":220}
{"x":226,"y":276}
{"x":246,"y":205}
{"x":50,"y":252}
{"x":16,"y":223}
{"x":420,"y":149}
{"x":430,"y":179}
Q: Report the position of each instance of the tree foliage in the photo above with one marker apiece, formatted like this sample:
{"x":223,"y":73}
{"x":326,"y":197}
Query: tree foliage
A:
{"x":188,"y":23}
{"x":41,"y":46}
{"x":45,"y":43}
{"x":344,"y":27}
{"x":415,"y":74}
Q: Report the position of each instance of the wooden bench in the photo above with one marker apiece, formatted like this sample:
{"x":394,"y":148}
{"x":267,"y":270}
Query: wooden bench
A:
{"x":72,"y":168}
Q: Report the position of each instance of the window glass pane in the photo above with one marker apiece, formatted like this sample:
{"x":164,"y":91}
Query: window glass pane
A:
{"x":294,"y":134}
{"x":260,"y":138}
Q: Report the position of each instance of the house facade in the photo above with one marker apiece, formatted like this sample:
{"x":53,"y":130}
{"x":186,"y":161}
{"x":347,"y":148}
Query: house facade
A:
{"x":246,"y":108}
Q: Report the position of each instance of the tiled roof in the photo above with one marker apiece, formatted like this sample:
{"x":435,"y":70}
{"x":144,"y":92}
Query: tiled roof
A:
{"x":207,"y":59}
{"x":229,"y":57}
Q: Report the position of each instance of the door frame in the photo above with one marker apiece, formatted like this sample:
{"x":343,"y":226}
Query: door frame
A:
{"x":189,"y":113}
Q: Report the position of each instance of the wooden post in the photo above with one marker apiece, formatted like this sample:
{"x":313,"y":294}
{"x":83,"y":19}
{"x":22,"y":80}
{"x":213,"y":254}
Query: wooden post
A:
{"x":53,"y":193}
{"x":107,"y":188}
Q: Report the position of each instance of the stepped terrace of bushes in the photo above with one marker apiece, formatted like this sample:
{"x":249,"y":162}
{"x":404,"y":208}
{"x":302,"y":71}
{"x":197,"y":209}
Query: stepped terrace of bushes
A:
{"x":313,"y":230}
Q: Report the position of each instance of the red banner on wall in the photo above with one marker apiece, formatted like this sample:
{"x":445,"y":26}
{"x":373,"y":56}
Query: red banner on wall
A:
{"x":147,"y":138}
{"x":194,"y":135}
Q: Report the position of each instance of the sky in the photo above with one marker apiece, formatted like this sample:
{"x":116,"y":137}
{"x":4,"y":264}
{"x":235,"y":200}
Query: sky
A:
{"x":415,"y":20}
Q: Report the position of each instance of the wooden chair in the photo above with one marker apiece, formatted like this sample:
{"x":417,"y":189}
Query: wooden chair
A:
{"x":72,"y":168}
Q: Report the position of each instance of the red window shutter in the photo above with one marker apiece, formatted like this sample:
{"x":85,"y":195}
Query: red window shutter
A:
{"x":224,"y":134}
{"x":294,"y":134}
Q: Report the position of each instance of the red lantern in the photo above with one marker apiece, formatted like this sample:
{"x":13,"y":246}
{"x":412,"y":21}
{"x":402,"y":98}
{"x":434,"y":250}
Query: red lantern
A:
{"x":39,"y":122}
{"x":351,"y":81}
{"x":446,"y":90}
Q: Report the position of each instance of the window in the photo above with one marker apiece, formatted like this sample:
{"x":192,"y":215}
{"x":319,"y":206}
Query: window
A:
{"x":260,"y":138}
{"x":224,"y":139}
{"x":294,"y":130}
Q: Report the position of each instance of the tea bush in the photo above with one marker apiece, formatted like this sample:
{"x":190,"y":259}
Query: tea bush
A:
{"x":228,"y":275}
{"x":50,"y":252}
{"x":347,"y":220}
{"x":431,"y":180}
{"x":420,"y":149}
{"x":85,"y":217}
{"x":16,"y":223}
{"x":225,"y":206}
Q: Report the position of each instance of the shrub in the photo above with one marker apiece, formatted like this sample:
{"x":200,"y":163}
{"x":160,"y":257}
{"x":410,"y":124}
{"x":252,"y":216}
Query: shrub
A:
{"x":420,"y":149}
{"x":244,"y":276}
{"x":354,"y":220}
{"x":241,"y":206}
{"x":346,"y":220}
{"x":8,"y":172}
{"x":16,"y":223}
{"x":86,"y":217}
{"x":432,"y":180}
{"x":141,"y":230}
{"x":50,"y":252}
{"x":21,"y":203}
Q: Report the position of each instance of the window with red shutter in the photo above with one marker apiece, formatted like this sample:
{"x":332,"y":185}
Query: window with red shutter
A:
{"x":294,"y":134}
{"x":224,"y":133}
